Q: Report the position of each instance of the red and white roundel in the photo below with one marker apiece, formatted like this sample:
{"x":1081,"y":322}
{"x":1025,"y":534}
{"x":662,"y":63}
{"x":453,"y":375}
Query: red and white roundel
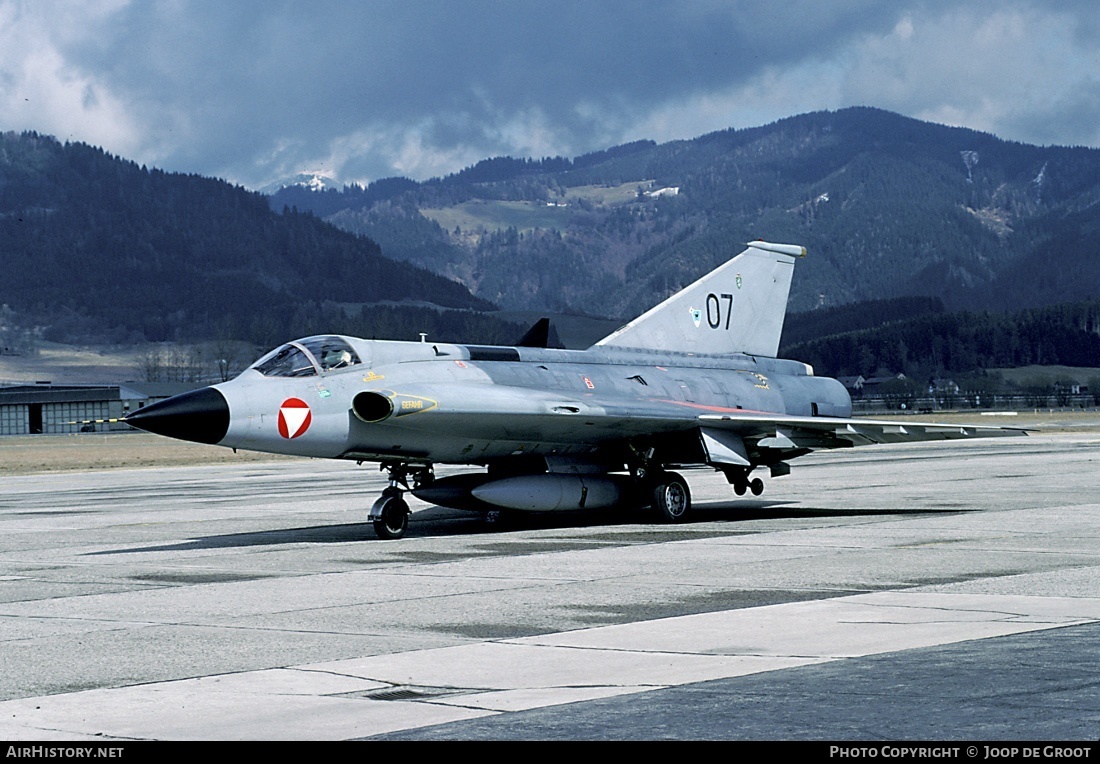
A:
{"x":294,"y":417}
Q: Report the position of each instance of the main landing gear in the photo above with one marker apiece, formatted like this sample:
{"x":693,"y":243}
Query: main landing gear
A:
{"x":390,"y":514}
{"x":671,"y":497}
{"x":667,"y":492}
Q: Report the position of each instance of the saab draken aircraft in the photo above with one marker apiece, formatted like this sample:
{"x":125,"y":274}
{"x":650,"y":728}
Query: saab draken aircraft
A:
{"x":693,"y":383}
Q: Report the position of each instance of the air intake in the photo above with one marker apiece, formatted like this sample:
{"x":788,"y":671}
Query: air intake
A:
{"x":371,"y":407}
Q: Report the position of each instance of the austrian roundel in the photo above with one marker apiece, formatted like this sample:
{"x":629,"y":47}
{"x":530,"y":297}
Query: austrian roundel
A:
{"x":294,"y":417}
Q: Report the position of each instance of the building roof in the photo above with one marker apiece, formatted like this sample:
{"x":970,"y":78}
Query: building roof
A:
{"x":47,"y":393}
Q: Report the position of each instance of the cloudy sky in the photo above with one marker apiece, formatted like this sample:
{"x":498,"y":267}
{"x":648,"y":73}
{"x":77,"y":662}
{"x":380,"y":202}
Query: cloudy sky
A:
{"x":254,"y":91}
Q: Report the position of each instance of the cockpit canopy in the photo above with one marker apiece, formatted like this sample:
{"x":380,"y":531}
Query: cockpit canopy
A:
{"x":308,"y":357}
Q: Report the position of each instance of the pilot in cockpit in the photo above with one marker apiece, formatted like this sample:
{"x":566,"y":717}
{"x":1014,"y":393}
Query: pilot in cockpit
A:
{"x":335,"y":358}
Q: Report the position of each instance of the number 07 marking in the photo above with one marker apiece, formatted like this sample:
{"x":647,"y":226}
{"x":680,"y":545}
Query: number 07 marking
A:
{"x":714,"y":310}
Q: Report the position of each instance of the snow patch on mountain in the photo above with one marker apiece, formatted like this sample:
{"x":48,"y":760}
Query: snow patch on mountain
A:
{"x":314,"y":181}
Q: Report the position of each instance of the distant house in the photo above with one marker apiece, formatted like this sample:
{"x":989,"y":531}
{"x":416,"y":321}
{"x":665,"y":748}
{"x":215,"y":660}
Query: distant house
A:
{"x":1072,"y":388}
{"x":875,"y":385}
{"x":883,"y":379}
{"x":854,"y":385}
{"x":668,"y":191}
{"x":943,"y":387}
{"x":42,"y":409}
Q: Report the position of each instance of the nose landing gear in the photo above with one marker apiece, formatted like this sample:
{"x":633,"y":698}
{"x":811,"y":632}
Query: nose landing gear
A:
{"x":390,"y":514}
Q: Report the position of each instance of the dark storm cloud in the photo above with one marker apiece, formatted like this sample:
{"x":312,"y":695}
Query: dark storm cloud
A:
{"x":255,"y":91}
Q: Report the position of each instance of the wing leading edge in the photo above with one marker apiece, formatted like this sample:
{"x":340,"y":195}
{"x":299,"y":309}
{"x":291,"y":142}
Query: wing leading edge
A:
{"x":769,"y":431}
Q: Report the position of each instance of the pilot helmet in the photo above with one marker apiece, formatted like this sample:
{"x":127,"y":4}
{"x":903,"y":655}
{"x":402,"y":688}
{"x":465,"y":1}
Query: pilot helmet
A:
{"x":334,"y":357}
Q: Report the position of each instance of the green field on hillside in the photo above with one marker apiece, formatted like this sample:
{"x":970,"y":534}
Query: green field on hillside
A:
{"x":556,"y":215}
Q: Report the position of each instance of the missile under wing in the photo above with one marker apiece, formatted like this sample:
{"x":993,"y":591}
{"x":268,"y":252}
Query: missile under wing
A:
{"x":692,"y":383}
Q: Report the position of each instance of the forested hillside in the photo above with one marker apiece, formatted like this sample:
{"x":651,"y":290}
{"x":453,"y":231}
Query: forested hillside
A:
{"x":937,"y":342}
{"x":93,"y":247}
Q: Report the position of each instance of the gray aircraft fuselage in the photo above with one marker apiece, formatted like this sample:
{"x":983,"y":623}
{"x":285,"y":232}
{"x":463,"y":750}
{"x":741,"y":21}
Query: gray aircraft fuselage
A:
{"x":692,"y":382}
{"x":461,"y":404}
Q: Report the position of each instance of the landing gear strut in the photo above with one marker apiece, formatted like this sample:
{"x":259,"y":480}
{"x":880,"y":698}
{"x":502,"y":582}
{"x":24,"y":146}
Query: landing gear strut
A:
{"x":667,"y":491}
{"x":390,"y":514}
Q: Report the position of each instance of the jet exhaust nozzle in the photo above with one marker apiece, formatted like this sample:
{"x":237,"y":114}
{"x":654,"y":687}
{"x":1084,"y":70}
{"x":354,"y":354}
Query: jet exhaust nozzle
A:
{"x":200,"y":416}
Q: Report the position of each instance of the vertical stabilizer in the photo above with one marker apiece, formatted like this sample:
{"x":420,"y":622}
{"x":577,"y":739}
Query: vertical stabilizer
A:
{"x":737,"y":308}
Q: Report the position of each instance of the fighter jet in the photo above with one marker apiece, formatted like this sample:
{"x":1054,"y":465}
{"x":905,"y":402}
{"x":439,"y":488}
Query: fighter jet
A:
{"x":692,"y":383}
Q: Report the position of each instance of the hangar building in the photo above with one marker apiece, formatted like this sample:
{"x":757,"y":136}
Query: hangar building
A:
{"x":41,"y":409}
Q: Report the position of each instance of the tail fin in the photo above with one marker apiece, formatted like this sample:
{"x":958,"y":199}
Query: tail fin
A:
{"x":736,"y":308}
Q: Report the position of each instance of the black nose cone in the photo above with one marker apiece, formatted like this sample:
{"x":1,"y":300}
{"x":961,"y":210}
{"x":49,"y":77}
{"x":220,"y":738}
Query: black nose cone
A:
{"x":201,"y":416}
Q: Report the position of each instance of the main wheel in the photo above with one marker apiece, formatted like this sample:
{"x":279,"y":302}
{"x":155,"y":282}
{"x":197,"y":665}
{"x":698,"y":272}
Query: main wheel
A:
{"x":671,"y":497}
{"x":392,"y":517}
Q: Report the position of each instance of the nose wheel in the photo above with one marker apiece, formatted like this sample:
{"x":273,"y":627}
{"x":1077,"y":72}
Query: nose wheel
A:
{"x":390,"y":515}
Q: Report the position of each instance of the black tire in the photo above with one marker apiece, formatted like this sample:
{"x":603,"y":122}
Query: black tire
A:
{"x":671,"y":497}
{"x":394,"y":519}
{"x":756,"y":485}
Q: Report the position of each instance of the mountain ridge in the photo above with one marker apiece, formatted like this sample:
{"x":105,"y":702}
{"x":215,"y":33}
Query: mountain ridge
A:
{"x":887,"y":205}
{"x":92,"y":245}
